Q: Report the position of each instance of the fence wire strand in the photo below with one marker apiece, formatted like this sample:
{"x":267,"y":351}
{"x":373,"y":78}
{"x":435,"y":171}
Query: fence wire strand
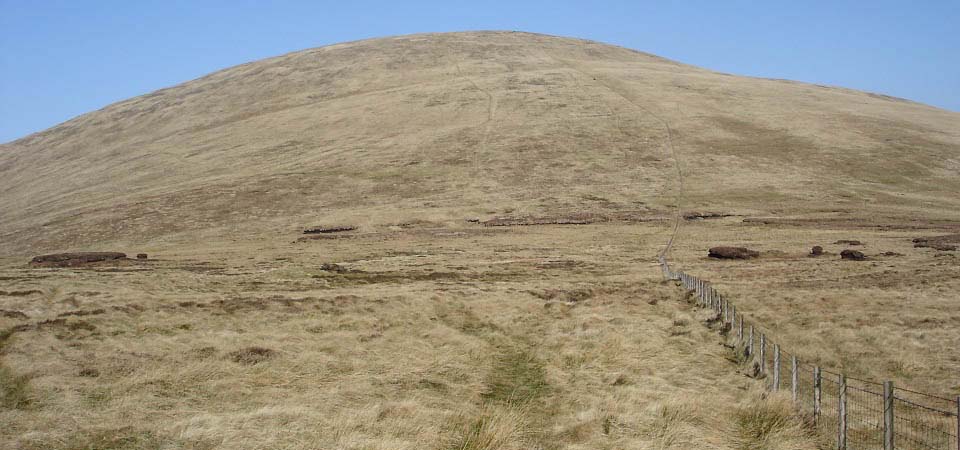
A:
{"x":920,"y":420}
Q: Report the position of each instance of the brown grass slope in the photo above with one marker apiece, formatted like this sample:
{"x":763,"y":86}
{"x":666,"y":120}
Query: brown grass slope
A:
{"x":464,"y":124}
{"x":422,"y":330}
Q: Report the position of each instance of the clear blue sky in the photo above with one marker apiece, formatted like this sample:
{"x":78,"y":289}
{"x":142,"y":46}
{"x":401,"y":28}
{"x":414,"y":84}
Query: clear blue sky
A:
{"x":60,"y":59}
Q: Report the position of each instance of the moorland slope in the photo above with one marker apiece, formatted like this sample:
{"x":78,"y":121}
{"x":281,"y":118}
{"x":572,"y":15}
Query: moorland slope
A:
{"x":447,"y":126}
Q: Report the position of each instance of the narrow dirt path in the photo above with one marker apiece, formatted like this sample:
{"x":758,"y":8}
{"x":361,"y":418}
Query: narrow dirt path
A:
{"x":487,"y":124}
{"x":670,"y":144}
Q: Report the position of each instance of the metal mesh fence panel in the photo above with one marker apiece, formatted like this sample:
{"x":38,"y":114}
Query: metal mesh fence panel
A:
{"x":923,"y":427}
{"x":828,"y":421}
{"x":864,"y":415}
{"x":920,"y":421}
{"x":805,"y":389}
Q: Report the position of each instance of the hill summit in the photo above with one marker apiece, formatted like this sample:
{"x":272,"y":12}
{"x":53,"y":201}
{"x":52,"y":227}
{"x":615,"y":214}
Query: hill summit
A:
{"x":447,"y":126}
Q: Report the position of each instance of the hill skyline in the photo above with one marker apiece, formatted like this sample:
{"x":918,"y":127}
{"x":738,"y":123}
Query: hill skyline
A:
{"x":463,"y":121}
{"x":798,"y":80}
{"x":98,"y":55}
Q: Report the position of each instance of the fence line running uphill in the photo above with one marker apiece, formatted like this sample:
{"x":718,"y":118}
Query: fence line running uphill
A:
{"x":861,"y":414}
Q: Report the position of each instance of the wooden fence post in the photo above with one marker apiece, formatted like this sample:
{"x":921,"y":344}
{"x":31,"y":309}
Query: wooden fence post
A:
{"x":817,"y":393}
{"x":888,"y":415}
{"x":958,"y":422}
{"x":726,"y":311}
{"x":842,"y":414}
{"x":740,"y":329}
{"x":794,"y":378}
{"x":763,"y":353}
{"x":776,"y":367}
{"x":750,"y":343}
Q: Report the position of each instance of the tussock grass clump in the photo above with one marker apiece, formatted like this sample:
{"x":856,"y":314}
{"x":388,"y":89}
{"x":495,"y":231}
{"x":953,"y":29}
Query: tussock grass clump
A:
{"x":672,"y":424}
{"x":492,"y":428}
{"x":769,"y":423}
{"x":14,"y":389}
{"x":89,"y":372}
{"x":251,"y":355}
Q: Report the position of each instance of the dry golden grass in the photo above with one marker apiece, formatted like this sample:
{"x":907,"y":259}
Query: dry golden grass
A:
{"x":459,"y":125}
{"x":892,"y":317}
{"x":432,"y":332}
{"x":527,"y":337}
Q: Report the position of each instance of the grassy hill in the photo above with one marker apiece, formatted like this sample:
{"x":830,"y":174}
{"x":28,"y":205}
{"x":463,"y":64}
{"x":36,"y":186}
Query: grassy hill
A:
{"x":465,"y":124}
{"x":420,"y":329}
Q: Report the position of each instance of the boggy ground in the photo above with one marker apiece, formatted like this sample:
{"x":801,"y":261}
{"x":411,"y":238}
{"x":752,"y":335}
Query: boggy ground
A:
{"x":433,"y":336}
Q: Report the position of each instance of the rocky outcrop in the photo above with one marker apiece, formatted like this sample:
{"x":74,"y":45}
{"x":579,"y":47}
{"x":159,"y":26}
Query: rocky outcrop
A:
{"x":732,"y":253}
{"x":852,"y":255}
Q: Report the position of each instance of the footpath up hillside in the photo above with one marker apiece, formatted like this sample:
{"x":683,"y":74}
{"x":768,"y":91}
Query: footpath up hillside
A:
{"x":447,"y":126}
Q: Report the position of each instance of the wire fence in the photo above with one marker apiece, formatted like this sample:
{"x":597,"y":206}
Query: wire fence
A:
{"x":853,"y":413}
